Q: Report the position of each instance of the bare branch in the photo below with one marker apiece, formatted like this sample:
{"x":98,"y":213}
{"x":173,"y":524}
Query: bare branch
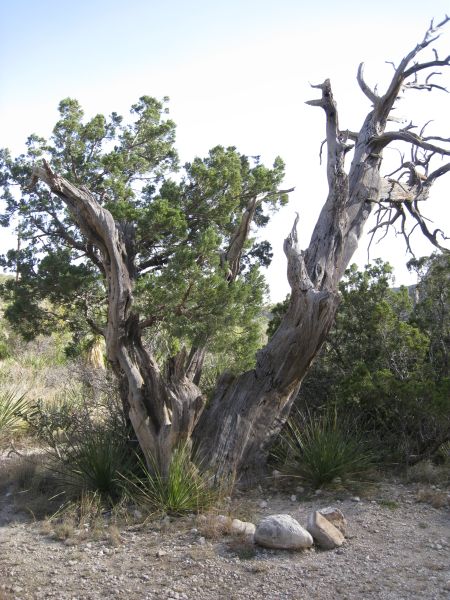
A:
{"x":383,"y":140}
{"x":402,"y":72}
{"x":373,"y":97}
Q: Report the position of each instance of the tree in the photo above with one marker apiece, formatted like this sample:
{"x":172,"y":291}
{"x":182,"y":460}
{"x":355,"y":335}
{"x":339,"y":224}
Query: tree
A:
{"x":376,"y":370}
{"x":179,"y":255}
{"x":432,"y":309}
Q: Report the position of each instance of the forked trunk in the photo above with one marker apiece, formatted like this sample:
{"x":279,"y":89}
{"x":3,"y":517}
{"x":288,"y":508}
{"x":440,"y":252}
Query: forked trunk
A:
{"x":247,"y":411}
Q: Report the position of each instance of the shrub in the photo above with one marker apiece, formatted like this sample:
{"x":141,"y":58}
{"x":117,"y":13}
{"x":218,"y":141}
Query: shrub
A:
{"x":94,"y":463}
{"x":185,"y":490}
{"x":321,"y":448}
{"x":13,"y":409}
{"x":53,"y":421}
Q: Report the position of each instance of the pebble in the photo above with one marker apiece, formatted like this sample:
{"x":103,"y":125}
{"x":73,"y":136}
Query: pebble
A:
{"x":355,"y":499}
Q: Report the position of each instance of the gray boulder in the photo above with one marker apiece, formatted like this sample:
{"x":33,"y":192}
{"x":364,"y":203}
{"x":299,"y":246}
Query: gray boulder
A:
{"x":282,"y":532}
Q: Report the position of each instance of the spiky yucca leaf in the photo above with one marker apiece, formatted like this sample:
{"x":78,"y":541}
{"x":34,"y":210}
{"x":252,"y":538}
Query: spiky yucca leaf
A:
{"x":321,"y":448}
{"x":185,"y":490}
{"x":13,"y":409}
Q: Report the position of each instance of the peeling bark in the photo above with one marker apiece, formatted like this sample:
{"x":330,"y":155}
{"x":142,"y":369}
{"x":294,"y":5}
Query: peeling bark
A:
{"x":248,"y":411}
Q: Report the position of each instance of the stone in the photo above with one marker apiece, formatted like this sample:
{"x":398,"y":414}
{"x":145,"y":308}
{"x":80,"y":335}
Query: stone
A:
{"x":262,"y":504}
{"x":335,"y":517}
{"x":293,"y":498}
{"x":242,"y":527}
{"x":325,"y":534}
{"x":355,"y":499}
{"x":282,"y":532}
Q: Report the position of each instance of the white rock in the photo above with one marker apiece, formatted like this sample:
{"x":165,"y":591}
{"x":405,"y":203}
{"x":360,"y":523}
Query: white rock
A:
{"x":242,"y":527}
{"x":282,"y":532}
{"x":335,"y":517}
{"x":355,"y":499}
{"x":262,"y":504}
{"x":293,"y":498}
{"x":324,"y":533}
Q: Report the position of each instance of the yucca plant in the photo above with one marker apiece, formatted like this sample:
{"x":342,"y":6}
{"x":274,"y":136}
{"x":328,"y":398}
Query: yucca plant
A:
{"x":13,"y":410}
{"x":94,"y":463}
{"x":186,"y":489}
{"x":321,"y":448}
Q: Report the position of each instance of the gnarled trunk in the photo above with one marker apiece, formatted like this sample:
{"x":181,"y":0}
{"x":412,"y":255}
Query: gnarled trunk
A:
{"x":247,"y":411}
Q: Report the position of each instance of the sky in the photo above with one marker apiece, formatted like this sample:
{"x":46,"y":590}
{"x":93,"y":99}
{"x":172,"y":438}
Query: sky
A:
{"x":237,"y":73}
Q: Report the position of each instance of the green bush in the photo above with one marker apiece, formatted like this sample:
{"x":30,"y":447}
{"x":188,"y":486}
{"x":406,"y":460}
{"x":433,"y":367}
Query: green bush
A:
{"x":320,"y":448}
{"x":185,"y":490}
{"x":94,"y":463}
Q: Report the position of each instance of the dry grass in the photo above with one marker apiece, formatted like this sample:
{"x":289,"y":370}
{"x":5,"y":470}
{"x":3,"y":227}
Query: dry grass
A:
{"x":213,"y":526}
{"x":437,"y":498}
{"x":31,"y":484}
{"x":427,"y":472}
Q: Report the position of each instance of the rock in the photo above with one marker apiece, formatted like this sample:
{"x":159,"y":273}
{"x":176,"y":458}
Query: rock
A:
{"x":161,"y":553}
{"x":282,"y":532}
{"x":242,"y":527}
{"x":355,"y":499}
{"x":262,"y":504}
{"x":324,"y":533}
{"x":293,"y":498}
{"x":335,"y":517}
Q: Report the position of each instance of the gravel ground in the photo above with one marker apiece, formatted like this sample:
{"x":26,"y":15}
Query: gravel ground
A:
{"x":396,"y":549}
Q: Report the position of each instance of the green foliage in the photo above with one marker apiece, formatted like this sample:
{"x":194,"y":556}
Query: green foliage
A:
{"x":180,"y":222}
{"x":13,"y":410}
{"x":380,"y":364}
{"x":432,"y":310}
{"x":94,"y":463}
{"x":52,"y":422}
{"x":320,"y":448}
{"x":185,"y":489}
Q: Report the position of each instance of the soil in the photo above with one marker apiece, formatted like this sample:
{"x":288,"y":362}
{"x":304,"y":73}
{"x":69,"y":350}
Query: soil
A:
{"x":396,"y":548}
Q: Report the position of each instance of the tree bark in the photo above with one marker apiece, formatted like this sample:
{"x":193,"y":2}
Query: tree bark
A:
{"x":248,"y":411}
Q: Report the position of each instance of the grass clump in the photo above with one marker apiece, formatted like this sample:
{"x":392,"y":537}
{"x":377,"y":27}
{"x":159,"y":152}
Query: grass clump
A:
{"x":184,"y":490}
{"x":13,"y":410}
{"x":94,"y":463}
{"x":320,"y":448}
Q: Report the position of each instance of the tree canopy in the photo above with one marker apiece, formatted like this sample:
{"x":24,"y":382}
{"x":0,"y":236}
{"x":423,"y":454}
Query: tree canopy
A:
{"x":114,"y":236}
{"x":186,"y":225}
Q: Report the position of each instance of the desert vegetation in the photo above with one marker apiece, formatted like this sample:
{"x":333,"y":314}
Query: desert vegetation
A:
{"x":138,"y":354}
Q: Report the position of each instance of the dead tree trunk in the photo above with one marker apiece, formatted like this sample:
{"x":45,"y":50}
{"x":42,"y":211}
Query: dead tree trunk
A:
{"x":248,"y":411}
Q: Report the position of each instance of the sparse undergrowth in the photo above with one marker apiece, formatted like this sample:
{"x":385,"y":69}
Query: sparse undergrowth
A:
{"x":321,"y":449}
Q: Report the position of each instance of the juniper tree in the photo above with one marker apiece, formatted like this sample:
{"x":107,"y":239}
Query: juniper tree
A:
{"x":108,"y":232}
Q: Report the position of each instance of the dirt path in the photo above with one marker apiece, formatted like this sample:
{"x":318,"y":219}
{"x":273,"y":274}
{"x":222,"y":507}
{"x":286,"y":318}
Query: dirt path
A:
{"x":397,"y":549}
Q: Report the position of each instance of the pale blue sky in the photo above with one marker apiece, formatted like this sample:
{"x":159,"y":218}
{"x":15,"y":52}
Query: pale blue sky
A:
{"x":236,"y":72}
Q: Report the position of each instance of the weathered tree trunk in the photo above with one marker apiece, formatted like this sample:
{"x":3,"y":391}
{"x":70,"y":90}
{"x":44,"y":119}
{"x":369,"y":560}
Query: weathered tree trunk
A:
{"x":247,"y":411}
